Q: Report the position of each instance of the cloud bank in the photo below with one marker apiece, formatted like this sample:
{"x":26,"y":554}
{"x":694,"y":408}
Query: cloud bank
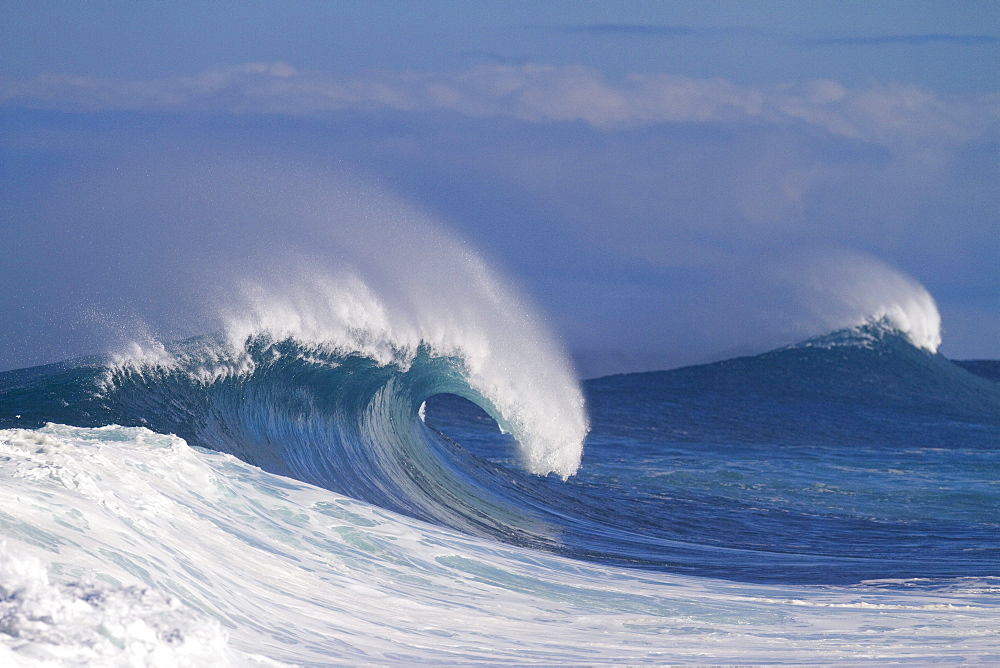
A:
{"x":911,"y":40}
{"x":885,"y":115}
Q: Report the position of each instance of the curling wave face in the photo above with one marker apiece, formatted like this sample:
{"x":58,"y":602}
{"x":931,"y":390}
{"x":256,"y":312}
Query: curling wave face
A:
{"x":509,"y":363}
{"x":340,"y":419}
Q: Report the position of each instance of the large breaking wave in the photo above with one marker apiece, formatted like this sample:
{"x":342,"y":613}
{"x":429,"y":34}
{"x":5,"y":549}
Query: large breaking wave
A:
{"x":321,"y":381}
{"x":334,"y":311}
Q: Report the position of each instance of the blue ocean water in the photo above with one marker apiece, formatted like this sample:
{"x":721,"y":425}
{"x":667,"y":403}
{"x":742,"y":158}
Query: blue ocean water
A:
{"x":286,"y":500}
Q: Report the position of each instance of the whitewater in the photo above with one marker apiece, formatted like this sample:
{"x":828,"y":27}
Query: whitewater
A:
{"x":390,"y":461}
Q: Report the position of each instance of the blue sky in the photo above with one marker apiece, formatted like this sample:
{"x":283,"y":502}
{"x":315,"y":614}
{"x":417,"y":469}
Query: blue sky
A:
{"x":651,"y":174}
{"x":930,"y":43}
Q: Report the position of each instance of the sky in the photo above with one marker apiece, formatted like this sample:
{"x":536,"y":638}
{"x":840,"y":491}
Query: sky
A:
{"x":667,"y":182}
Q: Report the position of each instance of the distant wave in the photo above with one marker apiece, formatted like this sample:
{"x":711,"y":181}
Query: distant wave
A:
{"x":849,"y":290}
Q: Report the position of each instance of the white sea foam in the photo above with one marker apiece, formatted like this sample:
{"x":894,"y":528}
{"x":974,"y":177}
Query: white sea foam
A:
{"x":176,"y":539}
{"x":47,"y":623}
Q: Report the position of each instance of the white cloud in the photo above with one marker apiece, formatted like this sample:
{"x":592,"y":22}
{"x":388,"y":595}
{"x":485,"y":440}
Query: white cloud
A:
{"x":885,"y":115}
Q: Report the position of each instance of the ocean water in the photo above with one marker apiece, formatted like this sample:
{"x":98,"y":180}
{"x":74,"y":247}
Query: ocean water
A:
{"x":345,"y":490}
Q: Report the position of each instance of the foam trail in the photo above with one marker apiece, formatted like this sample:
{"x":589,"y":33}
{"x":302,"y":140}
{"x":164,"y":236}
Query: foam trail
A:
{"x":850,"y":290}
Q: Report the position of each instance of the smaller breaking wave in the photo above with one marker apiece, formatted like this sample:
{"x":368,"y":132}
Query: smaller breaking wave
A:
{"x":850,"y":291}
